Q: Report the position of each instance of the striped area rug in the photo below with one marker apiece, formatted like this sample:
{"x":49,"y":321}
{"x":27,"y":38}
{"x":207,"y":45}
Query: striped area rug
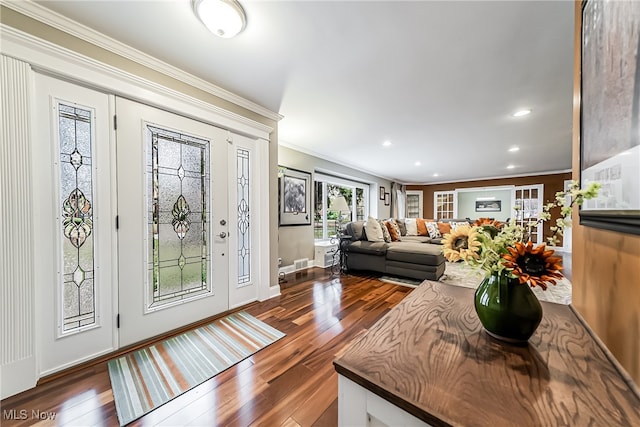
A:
{"x":147,"y":378}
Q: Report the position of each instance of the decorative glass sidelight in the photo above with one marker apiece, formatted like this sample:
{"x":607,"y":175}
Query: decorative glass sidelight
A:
{"x":75,"y":127}
{"x":178,"y":194}
{"x":244,"y":236}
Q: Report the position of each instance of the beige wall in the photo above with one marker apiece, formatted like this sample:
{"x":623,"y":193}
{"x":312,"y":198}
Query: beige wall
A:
{"x":552,"y":184}
{"x":31,"y":26}
{"x":606,"y":267}
{"x":297,"y":242}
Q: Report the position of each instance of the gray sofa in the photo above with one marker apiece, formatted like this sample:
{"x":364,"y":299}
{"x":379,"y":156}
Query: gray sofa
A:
{"x":413,"y":256}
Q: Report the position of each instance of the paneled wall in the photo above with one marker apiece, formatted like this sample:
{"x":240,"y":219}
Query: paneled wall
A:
{"x":17,"y":330}
{"x":606,"y":267}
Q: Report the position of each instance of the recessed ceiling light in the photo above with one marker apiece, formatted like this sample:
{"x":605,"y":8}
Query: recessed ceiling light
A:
{"x":514,"y":149}
{"x":386,"y":144}
{"x":417,"y":163}
{"x":510,"y":167}
{"x":436,"y":174}
{"x":521,"y":113}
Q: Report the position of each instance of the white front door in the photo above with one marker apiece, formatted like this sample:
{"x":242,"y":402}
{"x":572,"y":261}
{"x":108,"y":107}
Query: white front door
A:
{"x":173,"y":221}
{"x":72,"y":157}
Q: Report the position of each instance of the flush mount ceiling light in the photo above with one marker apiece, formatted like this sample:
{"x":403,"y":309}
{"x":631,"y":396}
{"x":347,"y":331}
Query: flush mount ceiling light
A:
{"x":514,"y":149}
{"x":224,"y":18}
{"x":510,"y":167}
{"x":386,"y":144}
{"x":521,"y":113}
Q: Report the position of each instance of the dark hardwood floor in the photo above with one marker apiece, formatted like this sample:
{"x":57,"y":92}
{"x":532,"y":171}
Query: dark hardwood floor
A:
{"x":290,"y":383}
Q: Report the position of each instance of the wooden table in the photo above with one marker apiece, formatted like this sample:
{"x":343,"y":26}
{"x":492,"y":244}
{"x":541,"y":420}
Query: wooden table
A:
{"x":430,"y":358}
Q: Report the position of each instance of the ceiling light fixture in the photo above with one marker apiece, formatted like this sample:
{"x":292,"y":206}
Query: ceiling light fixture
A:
{"x":514,"y":149}
{"x":436,"y":174}
{"x":387,"y":144}
{"x":417,"y":163}
{"x":521,"y":113}
{"x":224,"y":18}
{"x":510,"y":167}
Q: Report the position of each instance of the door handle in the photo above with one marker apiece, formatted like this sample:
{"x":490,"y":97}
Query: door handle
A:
{"x":223,"y":235}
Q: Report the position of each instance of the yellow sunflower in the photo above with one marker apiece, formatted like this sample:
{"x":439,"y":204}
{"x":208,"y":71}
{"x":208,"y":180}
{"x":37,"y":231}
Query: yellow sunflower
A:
{"x":461,"y":244}
{"x":535,"y":266}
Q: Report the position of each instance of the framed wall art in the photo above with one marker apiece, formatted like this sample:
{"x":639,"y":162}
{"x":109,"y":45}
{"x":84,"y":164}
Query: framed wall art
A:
{"x":489,"y":206}
{"x":295,"y":197}
{"x":610,"y":114}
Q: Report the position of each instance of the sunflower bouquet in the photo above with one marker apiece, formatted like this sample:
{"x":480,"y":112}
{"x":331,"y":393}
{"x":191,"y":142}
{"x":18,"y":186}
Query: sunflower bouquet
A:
{"x":504,"y":248}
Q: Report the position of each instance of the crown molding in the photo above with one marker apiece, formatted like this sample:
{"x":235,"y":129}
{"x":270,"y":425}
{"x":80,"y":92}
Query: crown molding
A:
{"x":523,"y":175}
{"x":62,"y":23}
{"x":57,"y":61}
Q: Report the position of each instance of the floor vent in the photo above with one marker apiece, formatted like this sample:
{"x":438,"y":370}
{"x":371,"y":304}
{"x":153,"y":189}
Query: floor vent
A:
{"x":299,"y":264}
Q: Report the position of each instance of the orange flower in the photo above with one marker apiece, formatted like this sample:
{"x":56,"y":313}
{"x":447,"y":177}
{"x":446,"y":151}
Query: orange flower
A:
{"x":535,"y":266}
{"x":488,"y":221}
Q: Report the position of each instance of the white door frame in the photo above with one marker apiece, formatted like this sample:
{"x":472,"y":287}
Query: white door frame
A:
{"x":49,"y":58}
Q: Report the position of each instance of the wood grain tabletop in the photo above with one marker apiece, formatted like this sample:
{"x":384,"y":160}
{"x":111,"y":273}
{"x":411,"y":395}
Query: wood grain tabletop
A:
{"x":430,"y":357}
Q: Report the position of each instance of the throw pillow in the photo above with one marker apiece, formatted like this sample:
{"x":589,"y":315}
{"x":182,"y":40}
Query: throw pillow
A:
{"x":422,"y":227}
{"x":432,"y":229}
{"x":373,"y":230}
{"x":385,"y":233}
{"x":411,"y":226}
{"x":455,"y":225}
{"x":394,"y":230}
{"x":444,"y":227}
{"x":356,"y":230}
{"x":402,"y":225}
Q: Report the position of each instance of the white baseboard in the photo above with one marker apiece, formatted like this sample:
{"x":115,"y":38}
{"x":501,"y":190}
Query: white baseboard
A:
{"x":292,"y":269}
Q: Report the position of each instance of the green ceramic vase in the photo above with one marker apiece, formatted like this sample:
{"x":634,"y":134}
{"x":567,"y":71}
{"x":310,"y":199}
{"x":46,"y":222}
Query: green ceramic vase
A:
{"x":507,"y":309}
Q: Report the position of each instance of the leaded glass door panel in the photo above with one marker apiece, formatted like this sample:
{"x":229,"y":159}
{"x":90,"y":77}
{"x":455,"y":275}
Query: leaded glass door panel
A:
{"x":243,"y":201}
{"x":73,"y":224}
{"x":173,"y":219}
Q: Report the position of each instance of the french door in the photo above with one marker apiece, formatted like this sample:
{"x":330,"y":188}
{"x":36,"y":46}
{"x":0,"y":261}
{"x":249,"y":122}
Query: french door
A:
{"x":173,"y":220}
{"x":527,"y":206}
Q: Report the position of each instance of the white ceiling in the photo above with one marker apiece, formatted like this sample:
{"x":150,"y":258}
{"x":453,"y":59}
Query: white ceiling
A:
{"x":438,"y":79}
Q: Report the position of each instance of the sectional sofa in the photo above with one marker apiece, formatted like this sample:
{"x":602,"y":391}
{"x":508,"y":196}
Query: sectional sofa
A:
{"x":408,"y":256}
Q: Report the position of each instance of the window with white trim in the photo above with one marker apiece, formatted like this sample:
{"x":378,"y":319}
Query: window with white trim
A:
{"x":328,"y":219}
